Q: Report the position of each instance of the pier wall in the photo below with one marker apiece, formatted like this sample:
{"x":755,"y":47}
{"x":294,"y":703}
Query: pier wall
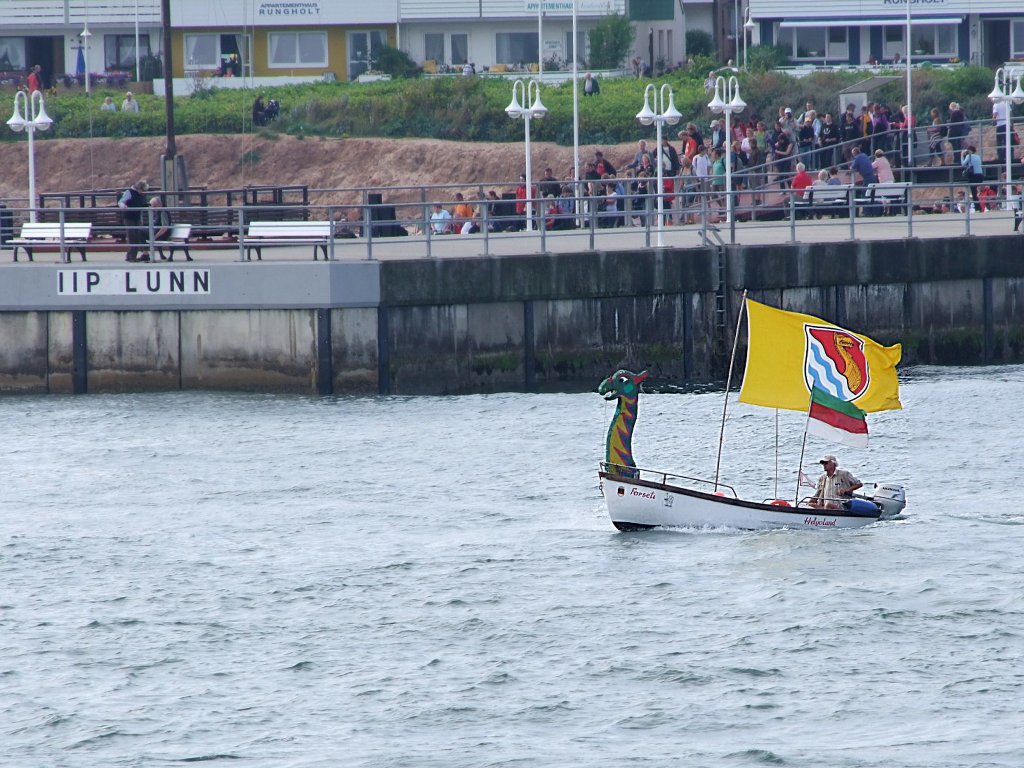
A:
{"x":534,"y":322}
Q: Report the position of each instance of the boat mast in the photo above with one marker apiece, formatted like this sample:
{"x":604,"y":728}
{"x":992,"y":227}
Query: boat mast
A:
{"x":728,"y":383}
{"x":803,"y":446}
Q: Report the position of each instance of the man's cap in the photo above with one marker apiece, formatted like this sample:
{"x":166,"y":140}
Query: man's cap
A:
{"x":827,"y":458}
{"x":787,"y":111}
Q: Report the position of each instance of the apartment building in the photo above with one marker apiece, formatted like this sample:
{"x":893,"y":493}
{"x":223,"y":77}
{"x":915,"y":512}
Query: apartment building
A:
{"x":986,"y":32}
{"x":50,"y":33}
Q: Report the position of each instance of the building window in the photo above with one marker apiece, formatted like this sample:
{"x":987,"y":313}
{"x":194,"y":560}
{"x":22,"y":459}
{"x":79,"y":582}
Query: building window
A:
{"x":893,"y":42}
{"x":581,"y":46}
{"x":815,"y":42}
{"x":515,"y":47}
{"x":934,"y":39}
{"x":119,"y":50}
{"x":297,"y":49}
{"x":460,"y":48}
{"x":363,"y":48}
{"x":838,"y":47}
{"x":1016,"y":39}
{"x":224,"y":54}
{"x":12,"y":53}
{"x":433,"y":47}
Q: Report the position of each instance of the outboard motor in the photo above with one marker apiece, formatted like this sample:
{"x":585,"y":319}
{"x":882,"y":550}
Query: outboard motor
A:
{"x":891,"y":497}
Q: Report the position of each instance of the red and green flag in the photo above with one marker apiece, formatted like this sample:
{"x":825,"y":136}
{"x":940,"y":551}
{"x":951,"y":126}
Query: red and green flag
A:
{"x":836,"y":420}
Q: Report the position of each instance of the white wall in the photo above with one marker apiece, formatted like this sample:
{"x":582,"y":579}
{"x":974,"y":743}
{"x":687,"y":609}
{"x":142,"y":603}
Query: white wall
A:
{"x":281,"y":13}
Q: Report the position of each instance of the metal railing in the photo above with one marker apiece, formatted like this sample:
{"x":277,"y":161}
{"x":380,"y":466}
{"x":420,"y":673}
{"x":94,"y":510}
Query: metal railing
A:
{"x":695,"y":217}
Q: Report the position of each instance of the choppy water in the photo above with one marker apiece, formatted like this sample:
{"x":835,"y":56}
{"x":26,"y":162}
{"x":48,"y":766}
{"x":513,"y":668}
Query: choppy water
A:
{"x":271,"y":581}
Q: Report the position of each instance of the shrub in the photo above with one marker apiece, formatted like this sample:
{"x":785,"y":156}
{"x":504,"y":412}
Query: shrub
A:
{"x":762,"y":58}
{"x":395,"y":63}
{"x":699,"y":43}
{"x":610,"y":41}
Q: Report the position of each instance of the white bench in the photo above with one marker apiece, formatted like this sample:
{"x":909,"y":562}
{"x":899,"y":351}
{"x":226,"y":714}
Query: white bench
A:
{"x":887,"y":194}
{"x":827,"y":198}
{"x":268,"y":233}
{"x":177,"y":239}
{"x":36,"y":234}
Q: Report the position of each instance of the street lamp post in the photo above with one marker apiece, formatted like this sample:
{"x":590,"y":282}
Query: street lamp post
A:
{"x":35,"y":119}
{"x":85,"y":35}
{"x":527,"y":91}
{"x":575,"y":106}
{"x":727,"y":99}
{"x":748,"y":28}
{"x":667,"y":114}
{"x":1001,"y":94}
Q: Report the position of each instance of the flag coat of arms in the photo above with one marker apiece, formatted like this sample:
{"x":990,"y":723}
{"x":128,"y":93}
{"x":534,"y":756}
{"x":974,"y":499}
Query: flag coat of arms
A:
{"x":789,"y":354}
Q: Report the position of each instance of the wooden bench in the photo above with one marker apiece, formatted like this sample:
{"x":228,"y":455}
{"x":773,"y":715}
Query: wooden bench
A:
{"x":269,"y":233}
{"x":176,"y":240}
{"x":887,"y":194}
{"x":35,"y":235}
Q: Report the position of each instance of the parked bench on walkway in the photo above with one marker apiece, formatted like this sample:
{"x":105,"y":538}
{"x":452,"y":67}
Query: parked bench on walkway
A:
{"x":831,"y":199}
{"x":43,"y":234}
{"x":270,"y":233}
{"x":176,"y":240}
{"x":887,"y":194}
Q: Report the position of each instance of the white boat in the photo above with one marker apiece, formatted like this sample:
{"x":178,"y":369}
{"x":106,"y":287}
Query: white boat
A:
{"x":638,"y":498}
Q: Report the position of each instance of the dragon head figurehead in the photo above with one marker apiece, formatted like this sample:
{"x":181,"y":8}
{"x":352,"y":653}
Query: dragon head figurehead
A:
{"x":624,"y":387}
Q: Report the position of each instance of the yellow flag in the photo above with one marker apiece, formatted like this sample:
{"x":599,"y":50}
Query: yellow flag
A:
{"x":788,"y":353}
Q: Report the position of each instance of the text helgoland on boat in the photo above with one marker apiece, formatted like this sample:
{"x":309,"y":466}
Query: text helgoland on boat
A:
{"x":794,"y":362}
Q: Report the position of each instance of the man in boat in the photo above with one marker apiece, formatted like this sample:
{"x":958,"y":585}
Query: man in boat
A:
{"x":834,"y":486}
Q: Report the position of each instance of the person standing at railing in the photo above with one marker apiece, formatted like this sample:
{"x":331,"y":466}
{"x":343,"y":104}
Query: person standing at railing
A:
{"x":132,"y":202}
{"x":866,"y":126}
{"x":849,"y":133}
{"x":829,"y":141}
{"x":1000,"y":114}
{"x":1017,"y":204}
{"x":687,"y":144}
{"x":936,"y":139}
{"x":907,"y":123}
{"x":880,"y":129}
{"x":970,"y":161}
{"x":883,"y":168}
{"x":958,"y":127}
{"x":805,"y":142}
{"x":688,"y":193}
{"x":784,"y":150}
{"x":753,"y":162}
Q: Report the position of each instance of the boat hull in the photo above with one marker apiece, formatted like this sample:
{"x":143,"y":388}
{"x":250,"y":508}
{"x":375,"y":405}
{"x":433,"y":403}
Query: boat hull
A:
{"x":637,"y":504}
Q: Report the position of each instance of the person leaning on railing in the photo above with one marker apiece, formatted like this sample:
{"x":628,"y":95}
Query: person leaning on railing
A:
{"x":132,"y":202}
{"x":970,"y":161}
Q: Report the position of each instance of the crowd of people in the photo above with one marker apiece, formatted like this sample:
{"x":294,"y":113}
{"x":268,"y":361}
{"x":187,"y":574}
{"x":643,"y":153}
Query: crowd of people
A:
{"x":785,"y":154}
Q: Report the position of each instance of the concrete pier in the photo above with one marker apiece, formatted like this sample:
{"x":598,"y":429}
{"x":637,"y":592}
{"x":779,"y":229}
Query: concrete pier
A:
{"x":466,"y":323}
